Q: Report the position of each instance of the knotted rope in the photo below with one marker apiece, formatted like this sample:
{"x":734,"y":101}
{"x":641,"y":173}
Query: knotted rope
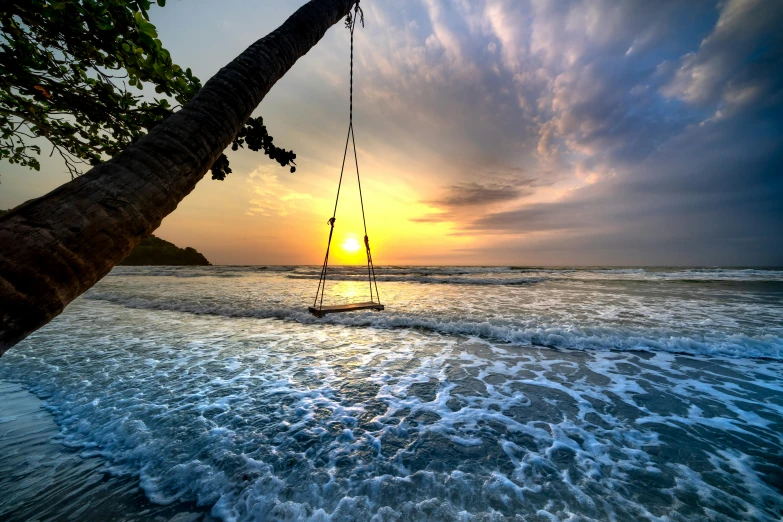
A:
{"x":350,"y":23}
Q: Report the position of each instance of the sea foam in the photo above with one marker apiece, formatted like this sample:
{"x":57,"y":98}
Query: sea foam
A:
{"x":587,"y":395}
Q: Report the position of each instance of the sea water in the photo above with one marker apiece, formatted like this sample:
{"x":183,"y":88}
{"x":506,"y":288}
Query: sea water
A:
{"x":480,"y":393}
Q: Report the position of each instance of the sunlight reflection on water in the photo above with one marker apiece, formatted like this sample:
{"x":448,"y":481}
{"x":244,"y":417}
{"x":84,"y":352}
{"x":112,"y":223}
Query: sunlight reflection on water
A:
{"x":431,"y":415}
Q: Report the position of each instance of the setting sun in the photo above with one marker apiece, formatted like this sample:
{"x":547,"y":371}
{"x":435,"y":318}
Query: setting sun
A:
{"x":555,"y":287}
{"x":351,"y":245}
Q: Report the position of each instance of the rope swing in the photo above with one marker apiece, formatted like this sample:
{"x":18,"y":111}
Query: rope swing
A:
{"x":318,"y":309}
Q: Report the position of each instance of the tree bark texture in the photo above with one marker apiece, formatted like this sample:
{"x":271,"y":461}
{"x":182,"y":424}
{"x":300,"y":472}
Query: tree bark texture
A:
{"x":54,"y":248}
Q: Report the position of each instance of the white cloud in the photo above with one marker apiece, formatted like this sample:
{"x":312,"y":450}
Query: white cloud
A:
{"x":577,"y":93}
{"x":704,"y":76}
{"x":270,"y":197}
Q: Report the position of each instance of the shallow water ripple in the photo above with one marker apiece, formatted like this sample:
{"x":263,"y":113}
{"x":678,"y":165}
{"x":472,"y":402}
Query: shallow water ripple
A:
{"x":265,"y":419}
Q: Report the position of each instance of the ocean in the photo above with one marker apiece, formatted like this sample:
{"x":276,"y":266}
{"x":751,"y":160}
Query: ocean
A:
{"x":479,"y":394}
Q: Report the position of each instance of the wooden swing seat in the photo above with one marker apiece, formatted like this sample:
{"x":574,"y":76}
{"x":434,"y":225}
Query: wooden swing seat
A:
{"x":317,"y":309}
{"x":351,"y":307}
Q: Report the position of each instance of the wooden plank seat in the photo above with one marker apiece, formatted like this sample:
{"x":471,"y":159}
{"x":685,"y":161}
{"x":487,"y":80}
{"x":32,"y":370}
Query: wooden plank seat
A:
{"x":351,"y":307}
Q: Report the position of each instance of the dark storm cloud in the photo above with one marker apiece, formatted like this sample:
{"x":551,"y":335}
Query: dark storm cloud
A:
{"x":673,"y":112}
{"x":594,"y":131}
{"x":478,"y":197}
{"x":738,"y":62}
{"x":711,"y":197}
{"x":535,"y":218}
{"x":474,"y":193}
{"x":664,"y":119}
{"x":469,"y":198}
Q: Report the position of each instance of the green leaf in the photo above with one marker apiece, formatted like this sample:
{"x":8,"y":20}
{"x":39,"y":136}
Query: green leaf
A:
{"x":87,"y":55}
{"x":148,"y":29}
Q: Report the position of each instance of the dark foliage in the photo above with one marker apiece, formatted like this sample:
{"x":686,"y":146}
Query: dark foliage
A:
{"x":67,"y":73}
{"x":156,"y":251}
{"x":255,"y":135}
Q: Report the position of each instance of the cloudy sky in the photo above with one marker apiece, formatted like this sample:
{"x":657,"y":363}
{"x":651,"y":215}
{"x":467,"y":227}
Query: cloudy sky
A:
{"x":500,"y":132}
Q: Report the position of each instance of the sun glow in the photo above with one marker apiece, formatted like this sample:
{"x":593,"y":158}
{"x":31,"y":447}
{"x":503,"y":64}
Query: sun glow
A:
{"x":351,"y":245}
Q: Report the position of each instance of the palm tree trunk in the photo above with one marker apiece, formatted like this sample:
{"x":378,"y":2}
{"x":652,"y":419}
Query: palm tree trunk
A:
{"x":54,"y":248}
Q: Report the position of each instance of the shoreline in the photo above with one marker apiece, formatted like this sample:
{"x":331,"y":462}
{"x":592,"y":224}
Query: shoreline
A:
{"x":42,"y":479}
{"x":179,"y":388}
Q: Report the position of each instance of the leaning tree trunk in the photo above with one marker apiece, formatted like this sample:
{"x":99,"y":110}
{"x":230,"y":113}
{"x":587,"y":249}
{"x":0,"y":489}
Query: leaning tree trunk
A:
{"x":54,"y":248}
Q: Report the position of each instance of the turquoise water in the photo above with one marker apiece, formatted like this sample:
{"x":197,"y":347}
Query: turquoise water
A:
{"x":41,"y":479}
{"x":479,"y":394}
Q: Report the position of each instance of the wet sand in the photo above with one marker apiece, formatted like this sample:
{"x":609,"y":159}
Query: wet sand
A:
{"x":41,"y":479}
{"x":588,"y":395}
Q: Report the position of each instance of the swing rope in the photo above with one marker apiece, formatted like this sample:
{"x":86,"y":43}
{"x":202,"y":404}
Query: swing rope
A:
{"x":350,"y":138}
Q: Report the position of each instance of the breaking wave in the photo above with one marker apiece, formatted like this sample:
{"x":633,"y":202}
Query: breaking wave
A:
{"x":552,"y":336}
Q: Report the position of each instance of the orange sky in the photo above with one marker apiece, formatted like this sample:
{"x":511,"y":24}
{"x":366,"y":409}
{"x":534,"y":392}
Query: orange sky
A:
{"x":273,"y":217}
{"x":491,"y":132}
